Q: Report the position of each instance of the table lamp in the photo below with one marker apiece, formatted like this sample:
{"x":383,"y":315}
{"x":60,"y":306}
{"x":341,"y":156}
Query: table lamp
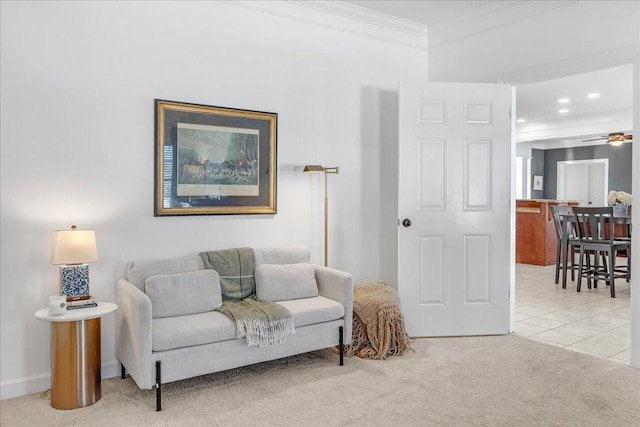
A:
{"x":72,"y":249}
{"x":325,"y":171}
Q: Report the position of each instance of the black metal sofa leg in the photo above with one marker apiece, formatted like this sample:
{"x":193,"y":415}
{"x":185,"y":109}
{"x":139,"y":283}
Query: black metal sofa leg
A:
{"x":123,"y":374}
{"x":158,"y":387}
{"x":341,"y":332}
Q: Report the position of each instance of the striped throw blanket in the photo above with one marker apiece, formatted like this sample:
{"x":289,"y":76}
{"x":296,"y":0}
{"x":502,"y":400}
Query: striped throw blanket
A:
{"x":262,"y":323}
{"x":236,"y":270}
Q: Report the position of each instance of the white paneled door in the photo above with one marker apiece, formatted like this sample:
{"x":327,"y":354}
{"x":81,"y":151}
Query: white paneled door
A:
{"x":455,"y":208}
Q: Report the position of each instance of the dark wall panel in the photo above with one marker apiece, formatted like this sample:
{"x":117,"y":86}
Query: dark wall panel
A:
{"x":537,"y":168}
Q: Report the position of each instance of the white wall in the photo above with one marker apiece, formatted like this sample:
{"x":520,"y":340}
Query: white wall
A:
{"x":78,"y":81}
{"x":635,"y":243}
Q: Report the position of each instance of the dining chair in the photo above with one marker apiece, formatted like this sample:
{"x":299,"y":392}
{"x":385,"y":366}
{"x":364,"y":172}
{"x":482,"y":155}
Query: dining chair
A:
{"x":566,"y":242}
{"x":624,"y":230}
{"x":595,"y":232}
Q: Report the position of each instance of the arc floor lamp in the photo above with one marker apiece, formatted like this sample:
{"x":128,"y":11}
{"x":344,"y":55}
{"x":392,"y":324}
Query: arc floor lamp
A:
{"x":325,"y":171}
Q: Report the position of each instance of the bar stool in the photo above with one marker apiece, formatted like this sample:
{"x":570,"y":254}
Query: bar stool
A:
{"x":566,"y":242}
{"x":595,"y":229}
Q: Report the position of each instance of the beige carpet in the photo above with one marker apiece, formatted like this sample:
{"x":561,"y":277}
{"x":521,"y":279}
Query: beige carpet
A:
{"x":477,"y":381}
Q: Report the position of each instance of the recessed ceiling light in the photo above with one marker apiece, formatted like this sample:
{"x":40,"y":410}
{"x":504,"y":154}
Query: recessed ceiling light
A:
{"x":563,"y":110}
{"x":593,"y":95}
{"x":521,"y":121}
{"x":563,"y":100}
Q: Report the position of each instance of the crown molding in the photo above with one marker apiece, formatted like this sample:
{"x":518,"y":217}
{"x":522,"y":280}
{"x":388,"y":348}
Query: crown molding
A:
{"x":345,"y":17}
{"x":571,"y":66}
{"x":580,"y":127}
{"x":495,"y":15}
{"x":556,"y":145}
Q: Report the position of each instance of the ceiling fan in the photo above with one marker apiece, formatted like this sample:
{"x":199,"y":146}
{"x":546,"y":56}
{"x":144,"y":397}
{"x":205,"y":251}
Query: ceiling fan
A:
{"x":615,"y":139}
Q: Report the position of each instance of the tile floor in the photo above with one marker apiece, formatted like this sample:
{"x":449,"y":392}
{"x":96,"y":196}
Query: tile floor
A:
{"x":588,"y":322}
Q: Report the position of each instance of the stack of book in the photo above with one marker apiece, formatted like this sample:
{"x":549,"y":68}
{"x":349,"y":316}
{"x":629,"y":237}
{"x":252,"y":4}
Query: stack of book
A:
{"x":85,"y":301}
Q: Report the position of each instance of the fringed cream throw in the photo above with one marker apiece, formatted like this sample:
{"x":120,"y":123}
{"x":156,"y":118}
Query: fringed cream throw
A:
{"x":378,"y":323}
{"x":262,"y":323}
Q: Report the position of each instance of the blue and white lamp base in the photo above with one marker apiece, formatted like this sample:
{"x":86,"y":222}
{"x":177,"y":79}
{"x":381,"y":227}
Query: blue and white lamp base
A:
{"x":74,"y":280}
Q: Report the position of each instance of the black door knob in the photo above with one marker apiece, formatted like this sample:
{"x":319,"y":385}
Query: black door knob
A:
{"x":406,"y":222}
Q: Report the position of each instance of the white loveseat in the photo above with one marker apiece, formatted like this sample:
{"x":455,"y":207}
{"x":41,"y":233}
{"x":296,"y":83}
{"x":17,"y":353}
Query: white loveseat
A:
{"x":159,"y":339}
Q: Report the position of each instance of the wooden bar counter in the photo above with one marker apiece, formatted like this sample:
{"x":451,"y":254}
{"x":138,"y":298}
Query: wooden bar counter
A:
{"x":535,"y":232}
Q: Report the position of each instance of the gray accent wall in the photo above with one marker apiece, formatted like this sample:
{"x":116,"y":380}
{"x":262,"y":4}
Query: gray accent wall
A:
{"x":620,"y":165}
{"x":537,"y":168}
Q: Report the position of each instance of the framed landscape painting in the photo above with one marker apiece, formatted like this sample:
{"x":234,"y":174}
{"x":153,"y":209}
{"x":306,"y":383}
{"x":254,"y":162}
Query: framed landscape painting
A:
{"x":214,"y":160}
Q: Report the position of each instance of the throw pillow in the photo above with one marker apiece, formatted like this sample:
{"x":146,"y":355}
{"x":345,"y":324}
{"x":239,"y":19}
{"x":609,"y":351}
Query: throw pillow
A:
{"x":282,"y":282}
{"x":183,"y":293}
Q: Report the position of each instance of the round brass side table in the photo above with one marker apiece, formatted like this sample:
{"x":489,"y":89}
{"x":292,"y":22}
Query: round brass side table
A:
{"x":75,"y":355}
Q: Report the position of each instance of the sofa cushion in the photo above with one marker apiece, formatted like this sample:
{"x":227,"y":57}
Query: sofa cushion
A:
{"x":281,"y":282}
{"x":187,"y":331}
{"x":183,"y":293}
{"x":196,"y":329}
{"x":138,"y":271}
{"x":309,"y":311}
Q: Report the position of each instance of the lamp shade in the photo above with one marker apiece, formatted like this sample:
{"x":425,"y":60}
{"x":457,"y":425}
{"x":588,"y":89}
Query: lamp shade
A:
{"x":74,"y":246}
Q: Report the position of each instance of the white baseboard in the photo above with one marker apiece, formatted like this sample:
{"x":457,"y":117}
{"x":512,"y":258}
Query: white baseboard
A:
{"x":23,"y":386}
{"x":39,"y":383}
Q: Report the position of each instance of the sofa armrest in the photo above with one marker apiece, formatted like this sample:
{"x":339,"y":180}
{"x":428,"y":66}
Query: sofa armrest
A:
{"x":338,"y":286}
{"x":133,"y":333}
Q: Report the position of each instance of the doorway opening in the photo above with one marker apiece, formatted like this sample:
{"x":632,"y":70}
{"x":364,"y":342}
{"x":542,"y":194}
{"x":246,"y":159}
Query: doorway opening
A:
{"x":586,"y":181}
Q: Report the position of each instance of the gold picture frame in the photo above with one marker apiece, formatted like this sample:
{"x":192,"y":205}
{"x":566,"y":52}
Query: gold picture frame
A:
{"x":214,"y":160}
